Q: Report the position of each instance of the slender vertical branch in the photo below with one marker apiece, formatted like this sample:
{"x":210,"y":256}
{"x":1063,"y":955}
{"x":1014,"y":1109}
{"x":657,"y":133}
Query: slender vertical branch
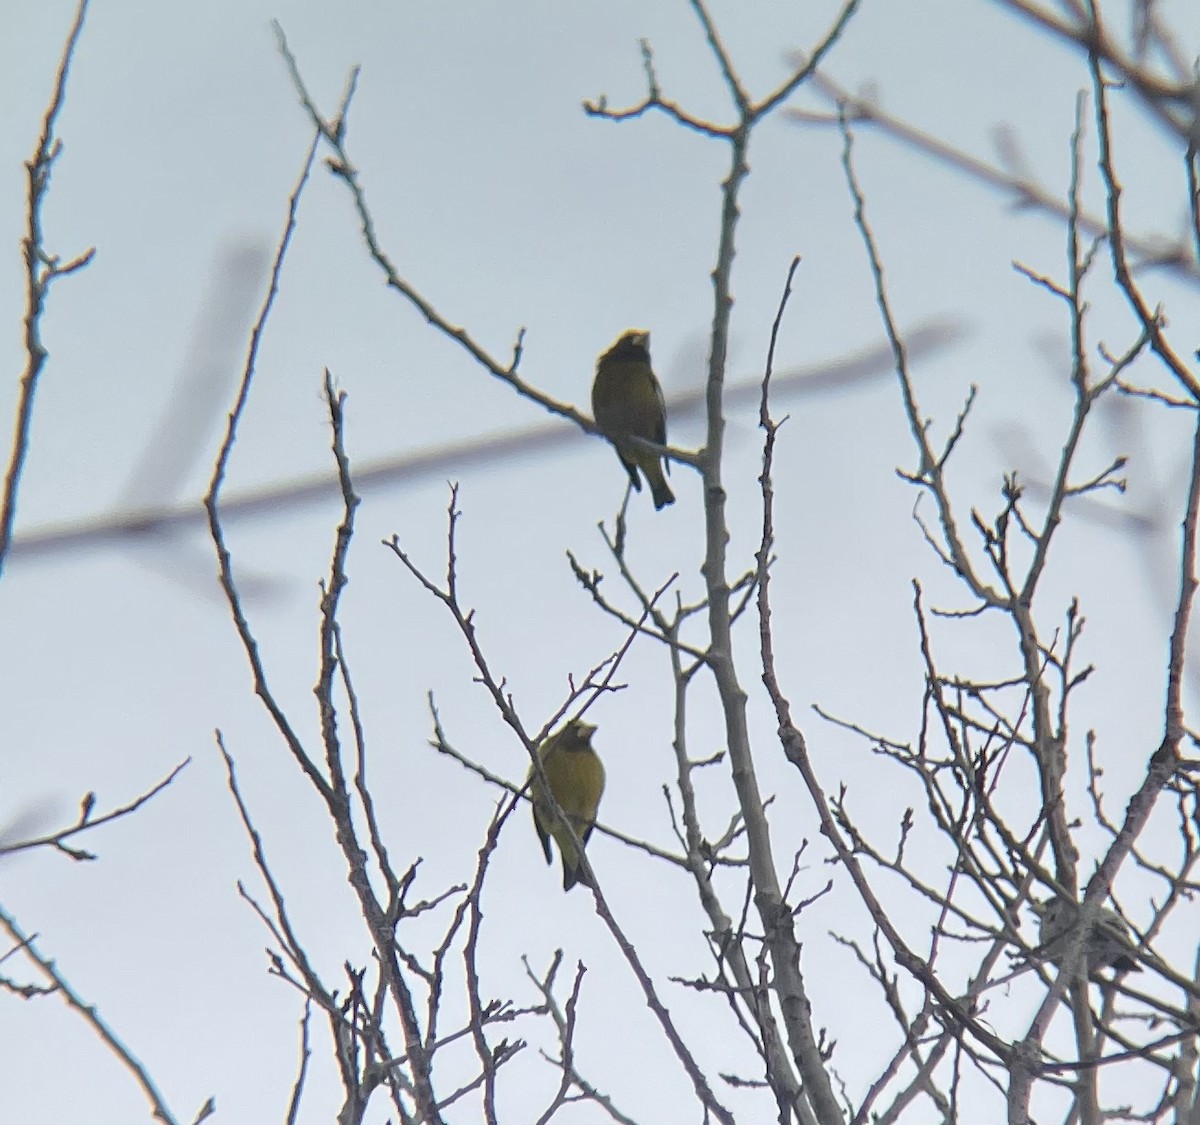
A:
{"x":42,"y":269}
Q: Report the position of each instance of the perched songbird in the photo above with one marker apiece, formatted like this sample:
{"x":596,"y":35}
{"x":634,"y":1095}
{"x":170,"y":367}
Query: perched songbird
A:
{"x":1108,"y":945}
{"x":576,"y":778}
{"x":628,"y":402}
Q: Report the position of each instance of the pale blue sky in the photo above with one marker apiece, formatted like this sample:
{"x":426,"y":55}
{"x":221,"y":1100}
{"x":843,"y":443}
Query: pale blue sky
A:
{"x":507,"y":207}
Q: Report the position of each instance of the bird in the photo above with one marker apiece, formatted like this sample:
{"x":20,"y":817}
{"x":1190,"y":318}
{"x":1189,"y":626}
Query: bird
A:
{"x":1109,"y":945}
{"x":575,"y":776}
{"x":628,"y":402}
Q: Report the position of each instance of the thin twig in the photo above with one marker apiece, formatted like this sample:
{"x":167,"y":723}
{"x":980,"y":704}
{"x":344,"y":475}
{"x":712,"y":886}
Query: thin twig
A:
{"x":92,"y":1017}
{"x":42,"y":269}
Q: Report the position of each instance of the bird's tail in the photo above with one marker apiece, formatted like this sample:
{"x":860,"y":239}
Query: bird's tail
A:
{"x":658,"y":485}
{"x":573,"y":875}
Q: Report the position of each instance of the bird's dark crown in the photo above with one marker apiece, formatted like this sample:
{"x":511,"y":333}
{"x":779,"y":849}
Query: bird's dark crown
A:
{"x":633,"y":344}
{"x":582,"y":732}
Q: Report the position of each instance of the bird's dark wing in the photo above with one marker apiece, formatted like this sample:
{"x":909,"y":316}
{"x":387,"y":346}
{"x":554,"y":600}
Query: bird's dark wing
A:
{"x":660,"y":424}
{"x":544,"y":836}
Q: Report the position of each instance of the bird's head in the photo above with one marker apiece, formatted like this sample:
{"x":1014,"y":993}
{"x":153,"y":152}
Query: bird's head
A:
{"x":1051,"y":910}
{"x":633,"y":343}
{"x":579,"y":732}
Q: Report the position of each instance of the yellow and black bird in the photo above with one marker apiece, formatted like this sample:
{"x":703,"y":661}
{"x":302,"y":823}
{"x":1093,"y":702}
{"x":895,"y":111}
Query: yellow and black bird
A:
{"x":575,"y":776}
{"x":628,"y":402}
{"x":1108,"y":945}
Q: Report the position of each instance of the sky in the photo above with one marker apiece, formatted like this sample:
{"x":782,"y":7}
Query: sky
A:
{"x":508,"y":208}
